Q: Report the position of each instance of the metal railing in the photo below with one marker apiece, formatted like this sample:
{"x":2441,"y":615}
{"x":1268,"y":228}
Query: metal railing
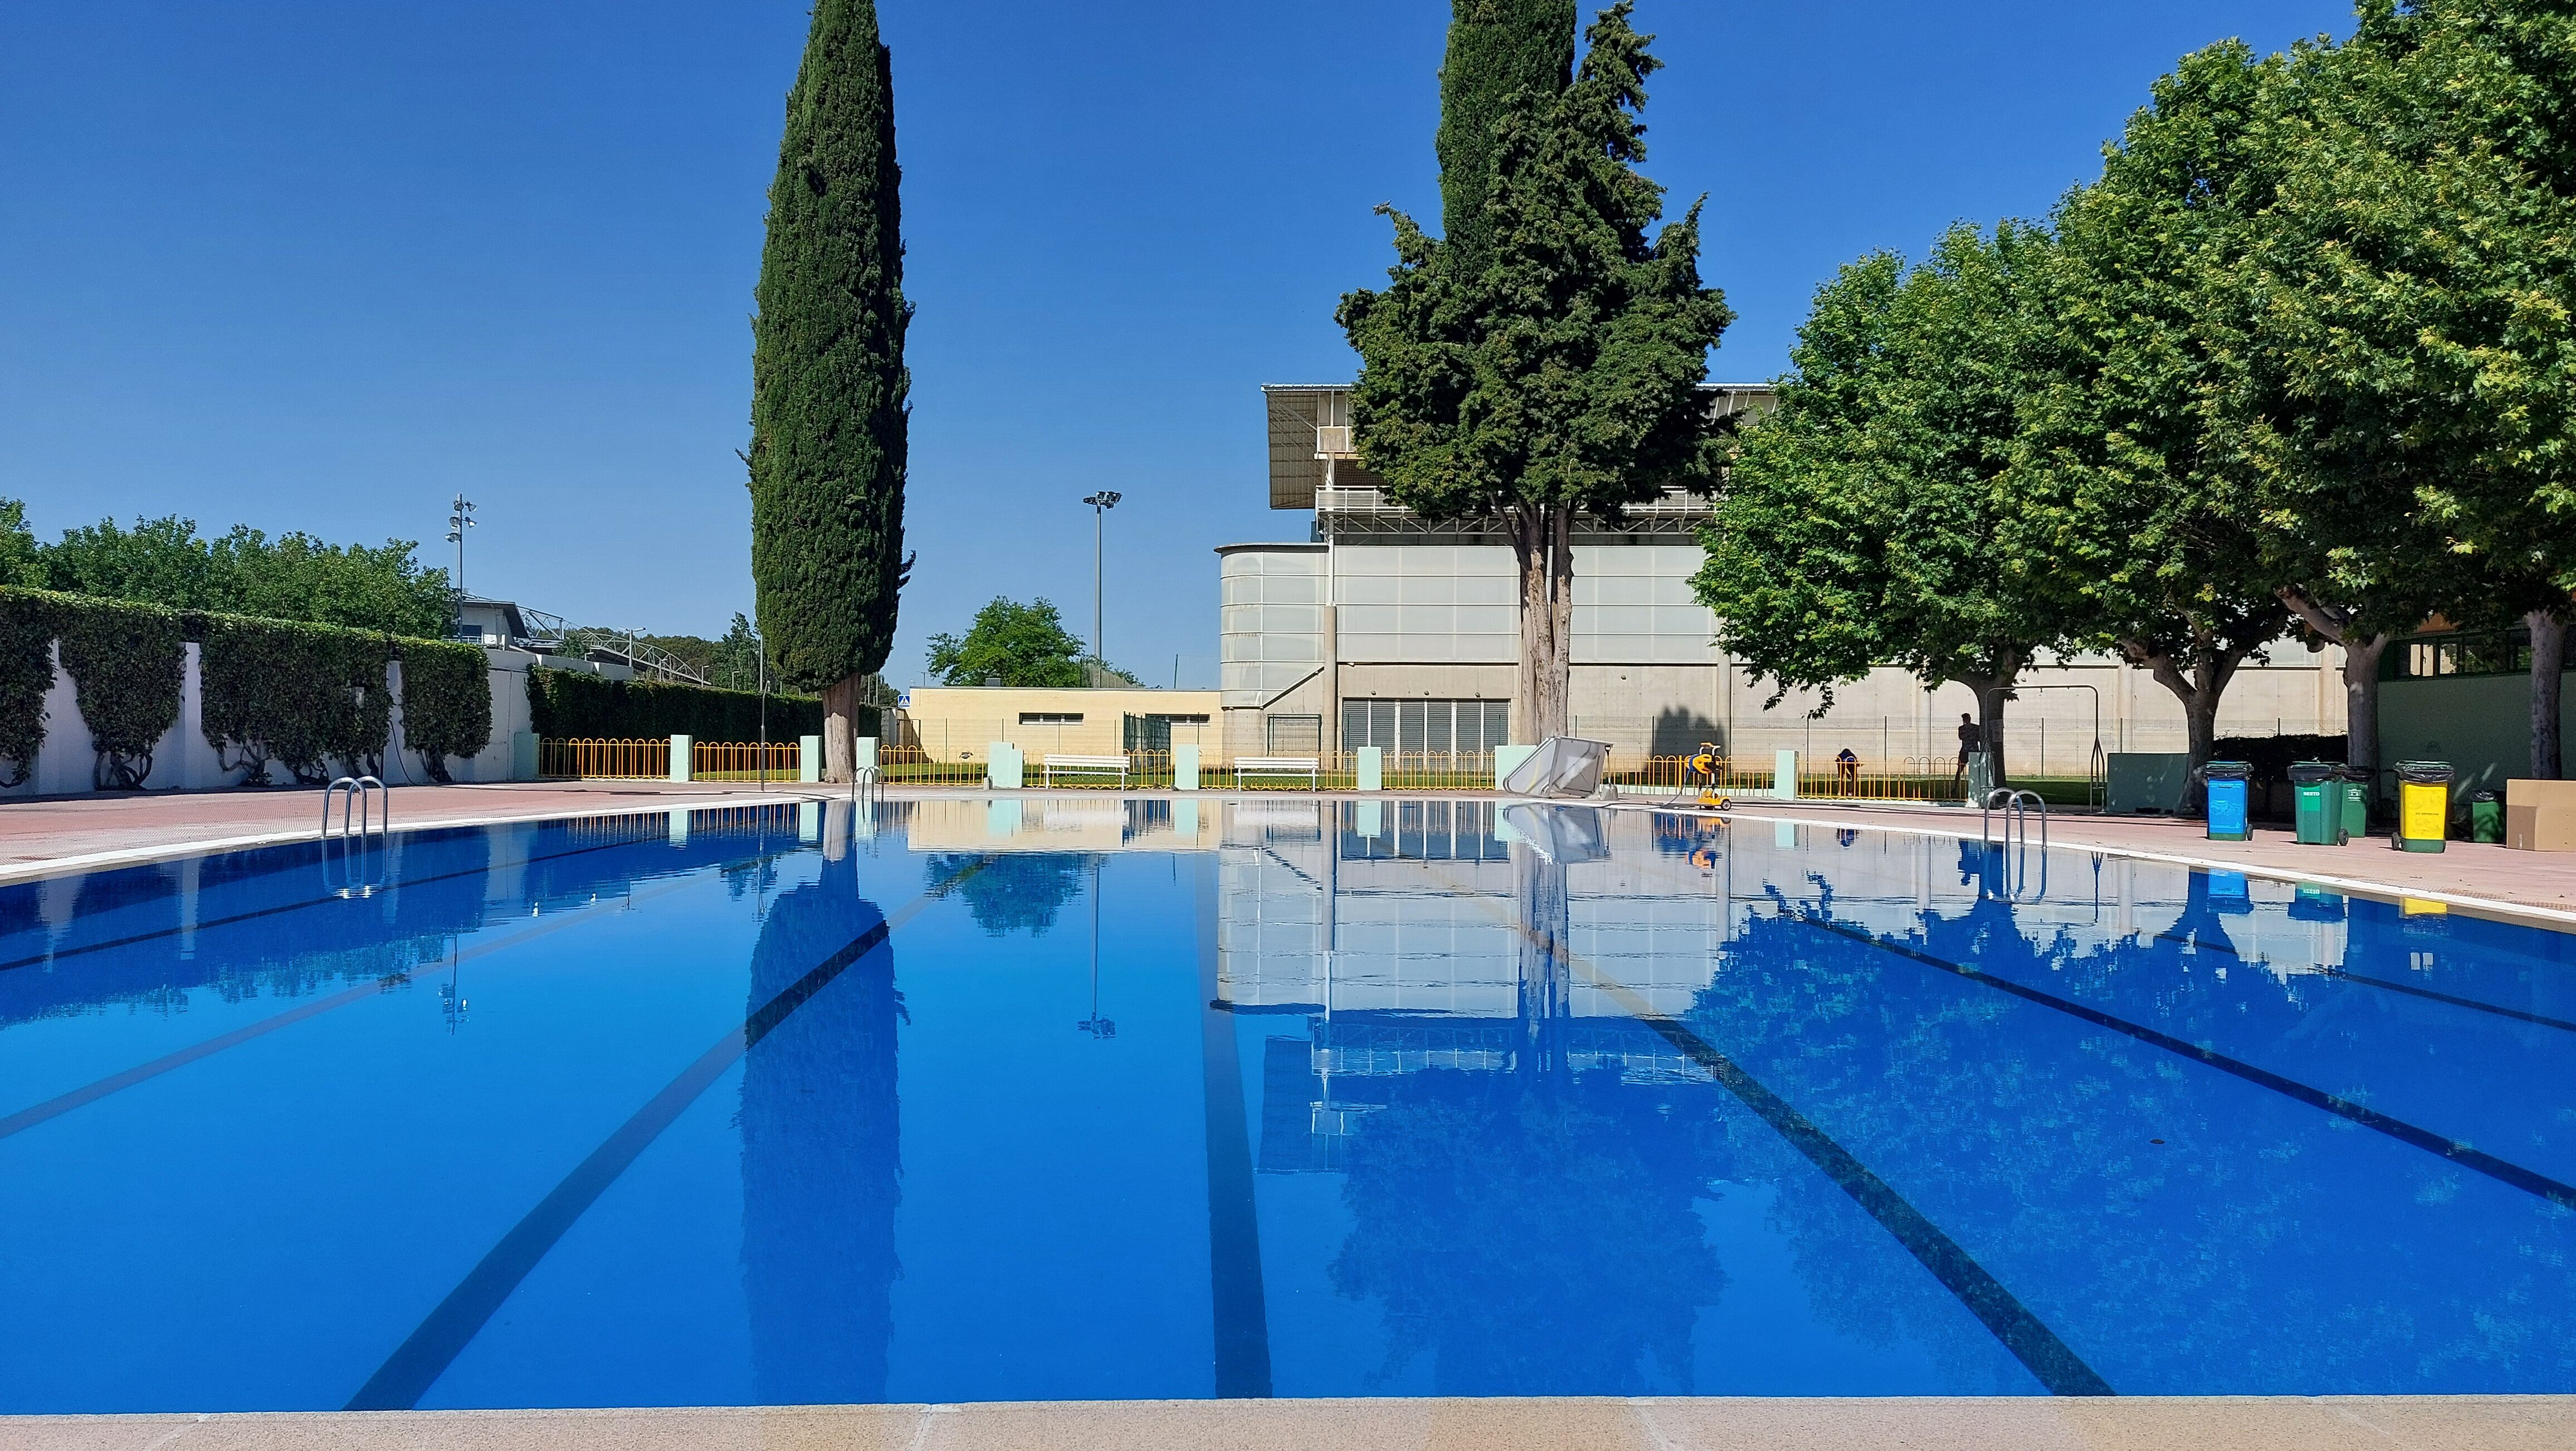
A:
{"x":744,"y":761}
{"x":867,"y":787}
{"x":1860,"y":782}
{"x":583,"y":759}
{"x":2015,"y":805}
{"x":359,"y":792}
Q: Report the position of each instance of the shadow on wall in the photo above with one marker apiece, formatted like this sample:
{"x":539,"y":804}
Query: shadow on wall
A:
{"x":1678,"y":732}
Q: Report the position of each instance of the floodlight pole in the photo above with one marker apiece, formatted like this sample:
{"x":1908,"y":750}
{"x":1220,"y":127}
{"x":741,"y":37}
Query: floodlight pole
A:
{"x":460,"y":517}
{"x":1101,"y":503}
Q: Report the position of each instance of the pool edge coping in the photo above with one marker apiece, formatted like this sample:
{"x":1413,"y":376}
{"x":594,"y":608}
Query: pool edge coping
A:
{"x":2551,"y":918}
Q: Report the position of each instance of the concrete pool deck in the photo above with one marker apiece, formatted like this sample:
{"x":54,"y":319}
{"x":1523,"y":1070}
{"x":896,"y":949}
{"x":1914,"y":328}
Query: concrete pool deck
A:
{"x":49,"y":837}
{"x":2270,"y":1423}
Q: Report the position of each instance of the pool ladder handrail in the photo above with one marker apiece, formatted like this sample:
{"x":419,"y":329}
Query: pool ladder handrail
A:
{"x":867,"y":783}
{"x":360,"y":793}
{"x":2015,"y":842}
{"x":2015,"y":805}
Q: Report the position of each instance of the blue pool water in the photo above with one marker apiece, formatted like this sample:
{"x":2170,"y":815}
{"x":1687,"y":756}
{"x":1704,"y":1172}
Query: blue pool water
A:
{"x":1080,"y":1097}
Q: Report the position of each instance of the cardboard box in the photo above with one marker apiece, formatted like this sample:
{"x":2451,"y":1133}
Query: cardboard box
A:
{"x":2540,"y":815}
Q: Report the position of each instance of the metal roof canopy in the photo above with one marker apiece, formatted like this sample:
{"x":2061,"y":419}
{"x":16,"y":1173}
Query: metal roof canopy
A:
{"x":1298,"y":467}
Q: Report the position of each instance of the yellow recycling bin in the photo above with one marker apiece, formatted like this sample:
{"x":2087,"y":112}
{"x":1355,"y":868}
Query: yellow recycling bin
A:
{"x":2423,"y":805}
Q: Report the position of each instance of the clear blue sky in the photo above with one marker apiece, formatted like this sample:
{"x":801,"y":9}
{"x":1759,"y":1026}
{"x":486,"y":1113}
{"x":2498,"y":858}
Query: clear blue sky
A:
{"x":319,"y":266}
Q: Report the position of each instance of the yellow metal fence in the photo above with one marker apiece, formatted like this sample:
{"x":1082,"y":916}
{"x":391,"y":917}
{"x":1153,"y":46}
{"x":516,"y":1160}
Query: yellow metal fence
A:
{"x":605,"y":760}
{"x":1152,"y":770}
{"x":743,"y":761}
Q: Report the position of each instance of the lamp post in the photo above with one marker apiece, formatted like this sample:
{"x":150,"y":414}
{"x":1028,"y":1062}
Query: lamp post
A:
{"x":1101,"y":503}
{"x":460,"y":517}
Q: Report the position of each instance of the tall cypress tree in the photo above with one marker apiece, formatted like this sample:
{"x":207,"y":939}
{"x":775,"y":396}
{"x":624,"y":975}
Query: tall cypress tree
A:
{"x":828,"y":416}
{"x":1496,"y":49}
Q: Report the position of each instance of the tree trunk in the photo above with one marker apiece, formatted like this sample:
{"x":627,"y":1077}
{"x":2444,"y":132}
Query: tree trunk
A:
{"x":1992,"y":691}
{"x":840,"y":736}
{"x":2361,"y":654}
{"x":2361,"y":703}
{"x":1529,"y":551}
{"x":2548,"y":661}
{"x":1558,"y":683}
{"x":1539,"y":683}
{"x":2211,"y":669}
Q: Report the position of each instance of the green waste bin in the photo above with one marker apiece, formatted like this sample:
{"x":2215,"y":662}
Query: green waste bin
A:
{"x":2423,"y":805}
{"x":2316,"y":790}
{"x":2356,"y":804}
{"x":2486,"y":819}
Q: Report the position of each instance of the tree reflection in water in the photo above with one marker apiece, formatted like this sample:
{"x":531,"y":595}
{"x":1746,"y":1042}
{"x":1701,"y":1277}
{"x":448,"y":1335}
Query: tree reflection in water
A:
{"x":2183,"y":1230}
{"x":821,"y":1153}
{"x":1531,"y":1229}
{"x":1015,"y":891}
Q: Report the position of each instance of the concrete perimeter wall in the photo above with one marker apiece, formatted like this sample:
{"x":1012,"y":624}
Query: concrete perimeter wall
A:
{"x":66,"y":763}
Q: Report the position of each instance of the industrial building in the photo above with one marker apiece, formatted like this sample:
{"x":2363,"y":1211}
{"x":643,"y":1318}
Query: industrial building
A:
{"x":1379,"y":628}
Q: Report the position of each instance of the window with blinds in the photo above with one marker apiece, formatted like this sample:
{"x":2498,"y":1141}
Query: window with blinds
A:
{"x":1426,"y":727}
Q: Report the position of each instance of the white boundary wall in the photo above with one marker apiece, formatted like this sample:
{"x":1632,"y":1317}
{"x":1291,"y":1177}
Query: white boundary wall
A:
{"x":66,"y":764}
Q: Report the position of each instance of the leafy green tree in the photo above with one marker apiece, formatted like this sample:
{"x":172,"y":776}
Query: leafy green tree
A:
{"x":293,"y":577}
{"x":1553,"y":371}
{"x":828,"y":413}
{"x":21,"y":557}
{"x":2134,"y":456}
{"x":2425,"y":257}
{"x":1859,"y":523}
{"x":299,"y":577}
{"x":1500,"y":51}
{"x":1014,"y":644}
{"x":735,"y":663}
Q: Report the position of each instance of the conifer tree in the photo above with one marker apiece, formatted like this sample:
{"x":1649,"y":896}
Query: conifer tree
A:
{"x":1497,"y":49}
{"x":828,"y":410}
{"x":1553,"y":372}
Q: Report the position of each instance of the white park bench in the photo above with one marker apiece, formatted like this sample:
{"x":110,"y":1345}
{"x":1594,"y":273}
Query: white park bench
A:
{"x":1307,"y":766}
{"x":1080,"y":765}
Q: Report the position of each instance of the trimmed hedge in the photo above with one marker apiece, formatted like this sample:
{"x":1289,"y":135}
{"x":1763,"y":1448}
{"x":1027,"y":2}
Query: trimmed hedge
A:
{"x":573,"y":704}
{"x":298,"y":695}
{"x":26,"y":673}
{"x":447,"y":701}
{"x":126,"y":665}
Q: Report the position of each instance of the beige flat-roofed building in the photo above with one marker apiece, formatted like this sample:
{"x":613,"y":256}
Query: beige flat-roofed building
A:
{"x":961,"y":722}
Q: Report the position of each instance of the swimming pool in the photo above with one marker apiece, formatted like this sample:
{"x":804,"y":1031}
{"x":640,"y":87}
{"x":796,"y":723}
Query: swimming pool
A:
{"x":1070,"y":1098}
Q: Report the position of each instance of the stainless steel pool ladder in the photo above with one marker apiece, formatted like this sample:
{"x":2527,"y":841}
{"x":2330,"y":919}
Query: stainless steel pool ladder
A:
{"x":867,"y":784}
{"x":360,"y":792}
{"x":2015,"y":805}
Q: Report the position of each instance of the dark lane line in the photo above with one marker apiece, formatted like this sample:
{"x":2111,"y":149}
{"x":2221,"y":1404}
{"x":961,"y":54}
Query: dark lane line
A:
{"x":2051,"y":1360}
{"x":2475,"y":1004}
{"x":2503,"y":1171}
{"x":2424,"y":992}
{"x":433,"y":1346}
{"x":297,"y":906}
{"x":56,"y":1107}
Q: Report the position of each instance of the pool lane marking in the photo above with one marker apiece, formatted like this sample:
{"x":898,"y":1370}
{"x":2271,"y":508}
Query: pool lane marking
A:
{"x":2502,"y":1170}
{"x":2051,"y":1361}
{"x":433,"y":1346}
{"x":2347,"y":975}
{"x":56,"y":1107}
{"x":2499,"y":1009}
{"x":297,"y":906}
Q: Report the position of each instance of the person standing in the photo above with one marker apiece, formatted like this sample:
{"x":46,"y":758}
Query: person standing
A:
{"x":1971,"y":741}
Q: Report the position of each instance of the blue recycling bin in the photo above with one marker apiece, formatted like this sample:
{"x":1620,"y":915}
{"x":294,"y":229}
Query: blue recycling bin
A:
{"x":2228,"y":785}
